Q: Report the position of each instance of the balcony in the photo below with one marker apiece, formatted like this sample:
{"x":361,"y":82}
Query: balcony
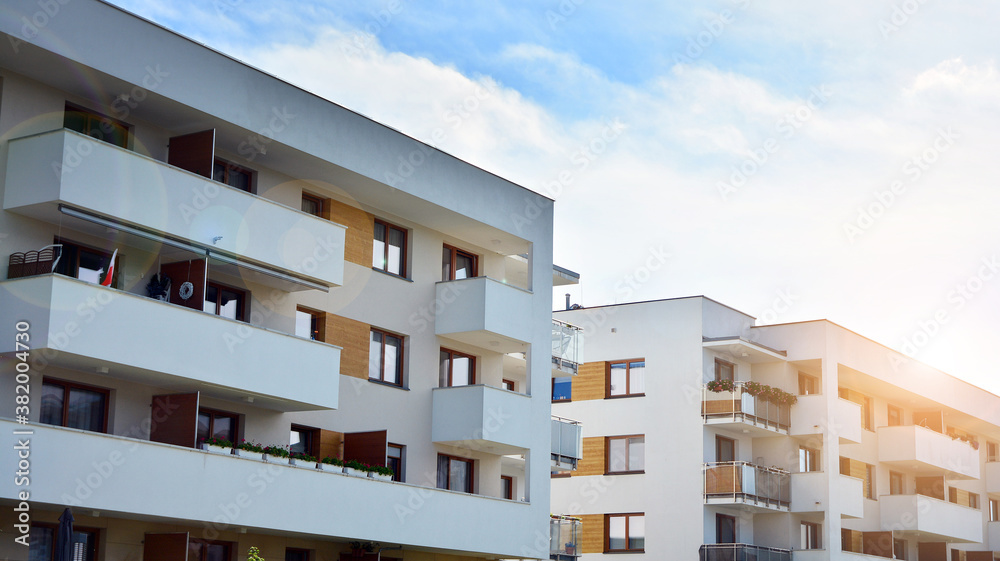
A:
{"x":927,"y":452}
{"x":567,"y":444}
{"x":740,"y":483}
{"x":816,"y":414}
{"x":740,"y":411}
{"x":567,"y":349}
{"x":184,"y":486}
{"x":929,"y":519}
{"x":564,"y":537}
{"x":481,"y":418}
{"x":123,"y":187}
{"x":484,"y":312}
{"x":742,"y":552}
{"x":816,"y":492}
{"x":84,"y":326}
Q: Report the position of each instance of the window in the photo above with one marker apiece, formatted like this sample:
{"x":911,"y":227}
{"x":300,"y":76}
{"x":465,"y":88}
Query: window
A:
{"x":385,"y":357}
{"x":303,"y":440}
{"x":312,"y":204}
{"x":296,"y":554}
{"x":454,"y":473}
{"x":725,"y":528}
{"x":810,"y":534}
{"x":457,"y":264}
{"x":310,"y":324}
{"x":67,"y":404}
{"x":808,"y":459}
{"x":869,"y":481}
{"x":725,"y":449}
{"x":974,"y":500}
{"x":992,"y":452}
{"x":895,"y":416}
{"x":952,"y":495}
{"x":394,"y":458}
{"x":626,"y":454}
{"x":899,"y":549}
{"x":507,"y":487}
{"x":626,"y":532}
{"x":724,"y":370}
{"x":96,"y":125}
{"x":233,"y":175}
{"x":896,"y":486}
{"x":627,"y":378}
{"x":42,"y":545}
{"x":457,"y":369}
{"x":508,"y":385}
{"x":225,"y":301}
{"x":808,"y":385}
{"x":199,"y":550}
{"x":994,"y":510}
{"x":389,"y":251}
{"x":217,"y":424}
{"x":867,"y":413}
{"x":85,"y":263}
{"x":562,"y":389}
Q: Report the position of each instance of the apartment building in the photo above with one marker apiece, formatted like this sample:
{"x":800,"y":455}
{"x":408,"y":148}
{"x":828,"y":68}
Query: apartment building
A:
{"x":705,"y":437}
{"x":195,"y":250}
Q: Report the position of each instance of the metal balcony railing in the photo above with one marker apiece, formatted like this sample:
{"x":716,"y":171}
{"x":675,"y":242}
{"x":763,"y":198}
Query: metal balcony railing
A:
{"x":567,"y":346}
{"x":742,"y":552}
{"x":739,"y":405}
{"x":745,"y":483}
{"x":567,"y":443}
{"x":564,"y":537}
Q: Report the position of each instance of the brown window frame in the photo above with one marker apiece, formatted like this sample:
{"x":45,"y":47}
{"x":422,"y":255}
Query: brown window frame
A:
{"x":402,"y":357}
{"x":230,"y":548}
{"x":241,"y":309}
{"x":811,"y":381}
{"x":471,"y":486}
{"x":318,"y":201}
{"x":628,"y":378}
{"x":299,"y":550}
{"x":890,"y":409}
{"x":400,"y":474}
{"x":718,"y":528}
{"x":813,"y":459}
{"x":318,"y":323}
{"x":92,"y":116}
{"x":724,"y":363}
{"x":229,"y":167}
{"x":404,"y":251}
{"x":69,"y":260}
{"x":992,"y":451}
{"x":312,"y":438}
{"x":96,"y":532}
{"x":607,"y":532}
{"x":894,"y":477}
{"x":628,"y":444}
{"x":869,"y":483}
{"x":719,"y":440}
{"x":867,"y":413}
{"x":508,"y":385}
{"x":974,"y":500}
{"x":510,"y":487}
{"x":817,"y":535}
{"x":454,"y":252}
{"x":994,"y":509}
{"x":451,"y":367}
{"x":899,"y":549}
{"x":67,"y":386}
{"x":213,"y":413}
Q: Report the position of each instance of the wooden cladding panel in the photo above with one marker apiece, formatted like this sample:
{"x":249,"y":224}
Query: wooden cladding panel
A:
{"x":978,"y":556}
{"x":360,"y":235}
{"x":366,"y":447}
{"x":932,"y":551}
{"x":851,"y":540}
{"x":192,"y":271}
{"x":723,"y":479}
{"x":165,"y":547}
{"x":932,"y":486}
{"x":592,"y":533}
{"x":590,"y":381}
{"x":330,"y":444}
{"x":353,"y":337}
{"x":194,"y":152}
{"x":852,"y":468}
{"x":592,"y":462}
{"x":175,"y":419}
{"x":877,"y":543}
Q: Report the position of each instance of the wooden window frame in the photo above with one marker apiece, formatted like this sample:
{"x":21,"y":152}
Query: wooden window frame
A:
{"x":626,"y":438}
{"x":817,"y":535}
{"x":308,"y":552}
{"x":810,"y":380}
{"x":552,"y":395}
{"x":812,"y":458}
{"x":229,"y":167}
{"x":318,"y":201}
{"x":974,"y":500}
{"x":242,"y":308}
{"x":719,"y":362}
{"x":868,"y":413}
{"x":230,"y":548}
{"x":69,"y":256}
{"x":508,"y":385}
{"x":451,"y":366}
{"x":96,"y":532}
{"x":397,"y":475}
{"x":736,"y":527}
{"x":98,"y":116}
{"x":404,"y":269}
{"x":628,"y":378}
{"x":454,"y":252}
{"x":67,"y":386}
{"x":213,"y":413}
{"x":992,"y":451}
{"x":607,"y":532}
{"x":312,"y":438}
{"x":719,"y":439}
{"x":899,"y":549}
{"x":402,"y":357}
{"x":994,"y":509}
{"x":510,"y":486}
{"x":869,"y":483}
{"x":897,"y":476}
{"x":472,"y":471}
{"x":889,"y":410}
{"x":319,"y":321}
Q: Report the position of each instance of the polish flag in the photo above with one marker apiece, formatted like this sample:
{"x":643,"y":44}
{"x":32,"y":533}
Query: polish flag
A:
{"x":111,"y":270}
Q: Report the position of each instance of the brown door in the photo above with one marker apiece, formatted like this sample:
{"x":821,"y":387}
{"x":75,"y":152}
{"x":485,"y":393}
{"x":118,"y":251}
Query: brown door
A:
{"x":192,"y":271}
{"x":194,"y":152}
{"x":175,"y":419}
{"x":366,"y":447}
{"x":165,"y":547}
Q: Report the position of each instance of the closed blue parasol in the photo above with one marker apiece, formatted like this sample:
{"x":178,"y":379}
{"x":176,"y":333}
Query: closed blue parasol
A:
{"x":64,"y":537}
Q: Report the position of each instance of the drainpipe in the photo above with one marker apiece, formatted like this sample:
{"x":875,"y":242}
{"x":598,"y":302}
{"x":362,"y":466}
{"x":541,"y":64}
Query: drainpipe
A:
{"x":381,"y":549}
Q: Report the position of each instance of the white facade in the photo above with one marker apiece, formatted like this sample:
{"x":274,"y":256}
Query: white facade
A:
{"x":61,"y":186}
{"x":879,"y":456}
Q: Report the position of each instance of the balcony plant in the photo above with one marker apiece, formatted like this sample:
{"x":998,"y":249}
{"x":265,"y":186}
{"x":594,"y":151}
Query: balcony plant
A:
{"x":355,"y":468}
{"x":332,"y":464}
{"x":303,"y":460}
{"x":217,"y":445}
{"x":718,"y":386}
{"x":249,"y":449}
{"x":382,"y":473}
{"x":277,"y":454}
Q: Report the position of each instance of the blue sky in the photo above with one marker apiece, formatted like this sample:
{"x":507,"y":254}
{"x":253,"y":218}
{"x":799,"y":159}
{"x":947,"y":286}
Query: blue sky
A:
{"x":796,"y":160}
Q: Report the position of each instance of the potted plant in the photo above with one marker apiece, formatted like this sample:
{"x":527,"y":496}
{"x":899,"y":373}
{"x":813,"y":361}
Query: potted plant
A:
{"x":355,"y":468}
{"x":300,"y":459}
{"x":276,"y":454}
{"x":382,"y":473}
{"x":332,"y":464}
{"x":718,"y":386}
{"x":217,"y":445}
{"x":249,"y":449}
